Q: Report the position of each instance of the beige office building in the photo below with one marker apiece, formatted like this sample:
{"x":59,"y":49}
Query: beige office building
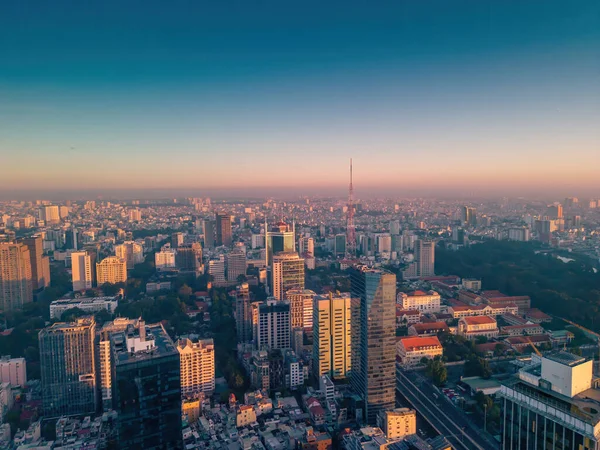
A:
{"x":16,"y":286}
{"x":197,"y":360}
{"x":111,"y":270}
{"x":332,"y":331}
{"x":287,"y":273}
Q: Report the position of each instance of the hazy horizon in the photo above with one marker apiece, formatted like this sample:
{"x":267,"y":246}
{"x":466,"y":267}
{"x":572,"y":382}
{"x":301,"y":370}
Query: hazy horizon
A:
{"x":461,"y":97}
{"x":290,"y":193}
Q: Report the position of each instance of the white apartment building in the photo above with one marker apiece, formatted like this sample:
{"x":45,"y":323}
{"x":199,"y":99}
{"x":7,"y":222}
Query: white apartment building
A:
{"x":425,"y":302}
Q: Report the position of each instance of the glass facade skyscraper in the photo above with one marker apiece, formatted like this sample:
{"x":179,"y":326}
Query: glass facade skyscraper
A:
{"x":373,"y":293}
{"x":67,"y":363}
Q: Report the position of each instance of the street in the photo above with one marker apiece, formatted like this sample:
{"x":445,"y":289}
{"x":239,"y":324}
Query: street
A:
{"x":443,"y":416}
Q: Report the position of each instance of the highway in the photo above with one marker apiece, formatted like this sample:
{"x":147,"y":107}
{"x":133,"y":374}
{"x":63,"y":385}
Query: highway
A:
{"x":444,"y":417}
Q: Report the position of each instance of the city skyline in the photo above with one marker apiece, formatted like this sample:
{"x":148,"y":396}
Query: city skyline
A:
{"x":472,"y":98}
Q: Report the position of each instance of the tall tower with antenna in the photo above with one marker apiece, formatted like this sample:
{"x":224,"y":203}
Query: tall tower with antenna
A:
{"x":350,"y":230}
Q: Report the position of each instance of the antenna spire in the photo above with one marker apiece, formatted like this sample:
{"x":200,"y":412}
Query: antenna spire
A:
{"x":350,"y":229}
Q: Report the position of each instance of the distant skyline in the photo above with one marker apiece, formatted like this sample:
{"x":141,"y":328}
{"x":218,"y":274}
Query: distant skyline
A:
{"x":458,"y":98}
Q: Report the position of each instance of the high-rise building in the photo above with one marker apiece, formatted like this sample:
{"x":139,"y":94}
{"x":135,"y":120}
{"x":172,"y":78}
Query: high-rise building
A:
{"x":135,"y":215}
{"x":131,"y":252}
{"x":165,"y":259}
{"x":236,"y":263}
{"x":209,"y":234}
{"x":306,"y":246}
{"x":287,"y":273}
{"x":520,"y":234}
{"x":339,"y":248}
{"x":555,"y":211}
{"x":105,"y":357}
{"x":299,"y":300}
{"x":271,"y":324}
{"x":216,"y":268}
{"x":243,"y":313}
{"x":15,"y":276}
{"x":425,"y":258}
{"x":373,"y":344}
{"x":189,"y":257}
{"x":332,"y":332}
{"x":82,"y":270}
{"x":51,"y":214}
{"x":40,"y":264}
{"x":469,"y":216}
{"x":176,"y":239}
{"x":13,"y":371}
{"x":551,"y":404}
{"x":146,"y":388}
{"x":223,"y":229}
{"x":111,"y":270}
{"x":67,"y":364}
{"x":394,"y":227}
{"x":197,"y":362}
{"x":280,"y":238}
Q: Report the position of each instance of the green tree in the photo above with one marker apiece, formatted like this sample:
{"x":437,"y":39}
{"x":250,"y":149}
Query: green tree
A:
{"x":436,"y":370}
{"x":477,"y":367}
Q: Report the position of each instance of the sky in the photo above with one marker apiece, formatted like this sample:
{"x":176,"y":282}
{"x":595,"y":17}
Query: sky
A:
{"x":273,"y":96}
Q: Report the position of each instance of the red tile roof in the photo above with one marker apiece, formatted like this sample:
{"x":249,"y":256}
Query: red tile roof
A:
{"x":415,"y":343}
{"x":478,"y":320}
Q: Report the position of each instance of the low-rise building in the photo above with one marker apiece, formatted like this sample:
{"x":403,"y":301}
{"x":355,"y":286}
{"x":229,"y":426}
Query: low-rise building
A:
{"x":398,"y":423}
{"x":411,"y":350}
{"x":536,"y":316}
{"x":459,"y":311}
{"x":427,"y":329}
{"x":520,"y":343}
{"x":474,"y":327}
{"x":426,"y":302}
{"x":245,"y":415}
{"x":407,"y":316}
{"x":519,"y":330}
{"x":90,"y":305}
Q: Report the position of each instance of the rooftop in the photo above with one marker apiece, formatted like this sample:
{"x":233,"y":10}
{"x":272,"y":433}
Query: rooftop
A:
{"x":478,"y":320}
{"x":566,"y":358}
{"x":163,"y":346}
{"x":415,"y":343}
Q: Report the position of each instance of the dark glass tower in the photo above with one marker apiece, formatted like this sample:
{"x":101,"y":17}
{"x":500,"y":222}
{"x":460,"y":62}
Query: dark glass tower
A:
{"x":373,"y":294}
{"x":147,"y":389}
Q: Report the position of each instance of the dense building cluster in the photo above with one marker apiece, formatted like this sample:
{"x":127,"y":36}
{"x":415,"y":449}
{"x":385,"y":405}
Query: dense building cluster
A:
{"x":321,"y":325}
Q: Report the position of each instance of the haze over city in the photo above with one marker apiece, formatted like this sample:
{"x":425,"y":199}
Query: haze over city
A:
{"x":458,"y":98}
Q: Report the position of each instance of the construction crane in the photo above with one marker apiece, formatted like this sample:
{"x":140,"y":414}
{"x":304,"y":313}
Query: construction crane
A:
{"x":535,"y":349}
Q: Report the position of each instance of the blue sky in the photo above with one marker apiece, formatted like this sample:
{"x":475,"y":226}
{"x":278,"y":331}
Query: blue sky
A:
{"x":461,"y":95}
